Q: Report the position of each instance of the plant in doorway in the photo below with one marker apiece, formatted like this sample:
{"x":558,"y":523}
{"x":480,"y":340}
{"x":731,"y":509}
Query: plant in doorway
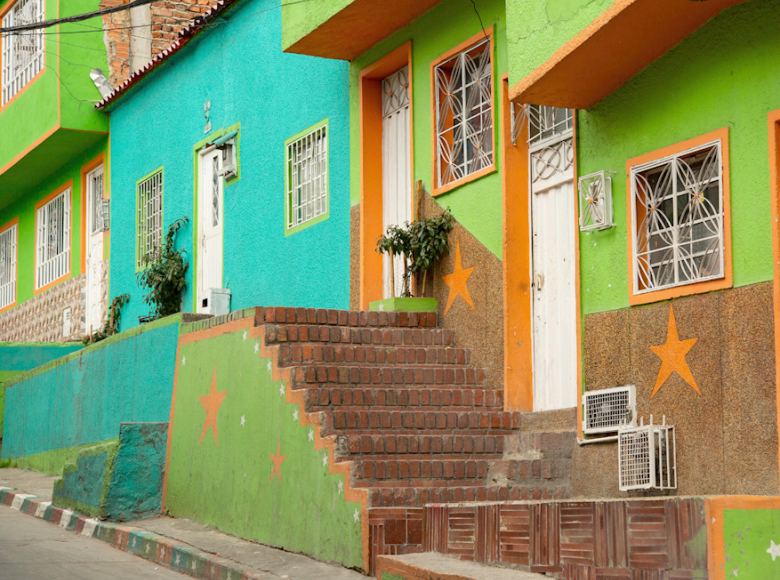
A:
{"x":165,"y":274}
{"x":420,"y":244}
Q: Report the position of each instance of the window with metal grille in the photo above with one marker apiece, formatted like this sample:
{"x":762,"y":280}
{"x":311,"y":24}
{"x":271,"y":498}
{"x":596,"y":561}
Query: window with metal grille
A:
{"x":23,"y":51}
{"x":53,"y":240}
{"x":8,"y":241}
{"x":149,"y":216}
{"x":464,"y":114}
{"x":307,"y":176}
{"x":95,"y":193}
{"x":546,"y":123}
{"x":678,"y":219}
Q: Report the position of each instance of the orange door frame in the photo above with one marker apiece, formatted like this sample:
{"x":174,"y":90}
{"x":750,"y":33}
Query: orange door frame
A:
{"x":774,"y":177}
{"x":371,"y":219}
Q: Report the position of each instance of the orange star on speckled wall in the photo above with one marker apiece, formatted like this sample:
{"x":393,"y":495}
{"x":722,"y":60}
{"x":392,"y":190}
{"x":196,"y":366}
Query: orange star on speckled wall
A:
{"x":672,"y":355}
{"x":457,"y":282}
{"x":211,"y":404}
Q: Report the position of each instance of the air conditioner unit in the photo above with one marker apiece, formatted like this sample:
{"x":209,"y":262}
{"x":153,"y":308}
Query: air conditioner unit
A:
{"x":647,"y":457}
{"x":607,"y":410}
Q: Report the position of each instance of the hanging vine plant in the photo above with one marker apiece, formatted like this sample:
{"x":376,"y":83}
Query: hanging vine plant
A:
{"x":111,"y":325}
{"x":165,"y":274}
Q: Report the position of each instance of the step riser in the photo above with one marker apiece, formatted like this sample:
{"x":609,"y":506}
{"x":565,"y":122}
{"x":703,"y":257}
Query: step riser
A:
{"x":368,"y":445}
{"x":368,"y":375}
{"x":318,"y":399}
{"x":420,"y":337}
{"x":384,"y":471}
{"x":351,"y":318}
{"x":297,"y":354}
{"x":430,"y":420}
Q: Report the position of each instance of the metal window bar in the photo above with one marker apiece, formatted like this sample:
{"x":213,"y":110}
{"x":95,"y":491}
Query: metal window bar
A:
{"x":95,"y":194}
{"x":148,"y":218}
{"x":464,"y":114}
{"x":677,"y":205}
{"x":8,"y":241}
{"x":307,"y":177}
{"x":53,"y":246}
{"x":22,"y":52}
{"x":547,"y":123}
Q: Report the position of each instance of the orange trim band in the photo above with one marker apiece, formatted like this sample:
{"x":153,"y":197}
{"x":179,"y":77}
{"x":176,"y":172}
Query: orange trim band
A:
{"x":700,"y":287}
{"x":463,"y":46}
{"x":371,"y":183}
{"x":774,"y":179}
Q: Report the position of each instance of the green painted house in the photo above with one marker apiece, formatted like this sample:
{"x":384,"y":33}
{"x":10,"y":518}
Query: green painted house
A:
{"x":52,"y":170}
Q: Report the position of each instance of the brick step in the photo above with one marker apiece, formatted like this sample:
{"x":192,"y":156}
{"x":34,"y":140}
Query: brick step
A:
{"x":422,"y":423}
{"x":284,"y":333}
{"x":353,"y":318}
{"x":419,"y":472}
{"x":530,"y":470}
{"x":343,"y":398}
{"x":388,"y":375}
{"x":383,"y":496}
{"x":306,"y":353}
{"x":355,"y":446}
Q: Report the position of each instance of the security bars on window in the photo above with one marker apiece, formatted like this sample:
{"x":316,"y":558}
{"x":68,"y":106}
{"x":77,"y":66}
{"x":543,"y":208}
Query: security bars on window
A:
{"x":307,"y":177}
{"x":149,"y":200}
{"x":53,"y":243}
{"x":678,"y":219}
{"x":647,"y":457}
{"x":95,"y":191}
{"x":464,"y":114}
{"x":8,"y":240}
{"x":607,"y":410}
{"x":23,"y":52}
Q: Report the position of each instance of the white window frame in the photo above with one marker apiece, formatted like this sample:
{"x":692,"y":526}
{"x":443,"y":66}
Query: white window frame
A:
{"x":52,"y":251}
{"x":148,"y":216}
{"x":307,"y":178}
{"x":9,"y":239}
{"x":676,"y":255}
{"x":473,"y":148}
{"x":23,"y":53}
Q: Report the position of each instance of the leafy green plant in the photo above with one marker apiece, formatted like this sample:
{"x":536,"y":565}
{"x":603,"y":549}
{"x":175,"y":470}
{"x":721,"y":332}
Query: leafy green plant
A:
{"x":421,"y":244}
{"x":165,"y":274}
{"x":111,"y":325}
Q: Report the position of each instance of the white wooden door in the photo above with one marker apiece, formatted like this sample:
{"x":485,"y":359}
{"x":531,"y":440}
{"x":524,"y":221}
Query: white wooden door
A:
{"x":210,"y":222}
{"x":396,"y":172}
{"x":95,"y":264}
{"x":554,"y":275}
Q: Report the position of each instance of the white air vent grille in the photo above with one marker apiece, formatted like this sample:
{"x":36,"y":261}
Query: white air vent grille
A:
{"x":647,"y":457}
{"x":608,"y":410}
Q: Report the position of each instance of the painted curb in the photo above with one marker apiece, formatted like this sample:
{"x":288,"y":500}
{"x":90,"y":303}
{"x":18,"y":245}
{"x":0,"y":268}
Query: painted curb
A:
{"x":161,"y":550}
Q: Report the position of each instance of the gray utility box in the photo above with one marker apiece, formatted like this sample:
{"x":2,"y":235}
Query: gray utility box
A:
{"x":219,"y":301}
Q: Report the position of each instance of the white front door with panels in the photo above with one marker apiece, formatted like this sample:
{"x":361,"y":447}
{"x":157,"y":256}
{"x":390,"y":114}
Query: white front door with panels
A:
{"x":396,"y":172}
{"x":95,"y":265}
{"x":553,"y":259}
{"x":210,"y":220}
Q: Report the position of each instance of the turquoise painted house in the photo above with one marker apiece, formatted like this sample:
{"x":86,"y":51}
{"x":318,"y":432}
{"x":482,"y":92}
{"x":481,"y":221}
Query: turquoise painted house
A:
{"x":251,"y":145}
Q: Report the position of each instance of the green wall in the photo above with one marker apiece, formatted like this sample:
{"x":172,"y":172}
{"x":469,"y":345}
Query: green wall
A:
{"x":747,"y":535}
{"x":300,"y":18}
{"x":476,"y":205}
{"x":229,"y":484}
{"x":24,"y":209}
{"x":723,"y":75}
{"x":537,"y":28}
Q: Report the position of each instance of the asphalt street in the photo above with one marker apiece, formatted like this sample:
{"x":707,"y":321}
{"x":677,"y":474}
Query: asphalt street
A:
{"x":32,"y":549}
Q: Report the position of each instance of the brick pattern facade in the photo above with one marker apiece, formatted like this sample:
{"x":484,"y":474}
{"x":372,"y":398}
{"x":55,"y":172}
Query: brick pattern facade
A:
{"x":586,"y":540}
{"x":167,"y":19}
{"x":40,"y":318}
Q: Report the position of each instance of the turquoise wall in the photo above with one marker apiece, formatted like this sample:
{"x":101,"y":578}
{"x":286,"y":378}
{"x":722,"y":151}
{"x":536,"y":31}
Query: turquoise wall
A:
{"x":21,"y":356}
{"x":240,"y":68}
{"x":723,"y":75}
{"x":83,"y":397}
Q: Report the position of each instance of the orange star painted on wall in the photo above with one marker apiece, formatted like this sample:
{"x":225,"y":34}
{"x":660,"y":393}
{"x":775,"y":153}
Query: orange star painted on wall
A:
{"x":672,"y":355}
{"x":277,"y":459}
{"x":211,"y":404}
{"x":457,"y":282}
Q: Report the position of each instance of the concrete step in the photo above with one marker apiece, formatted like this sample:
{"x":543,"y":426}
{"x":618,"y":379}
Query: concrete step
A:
{"x":433,"y":566}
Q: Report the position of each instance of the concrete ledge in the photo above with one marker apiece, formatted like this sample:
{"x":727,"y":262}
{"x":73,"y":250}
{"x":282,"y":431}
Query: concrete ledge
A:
{"x":433,"y":566}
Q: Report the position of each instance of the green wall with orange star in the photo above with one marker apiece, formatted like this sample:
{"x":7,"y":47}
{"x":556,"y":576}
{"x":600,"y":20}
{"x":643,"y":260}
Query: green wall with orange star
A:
{"x":240,"y":458}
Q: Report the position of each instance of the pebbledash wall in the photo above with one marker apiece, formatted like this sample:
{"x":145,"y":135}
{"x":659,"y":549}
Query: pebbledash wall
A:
{"x":241,"y":456}
{"x":269,"y":97}
{"x":476,"y":205}
{"x":722,"y":76}
{"x":76,"y":401}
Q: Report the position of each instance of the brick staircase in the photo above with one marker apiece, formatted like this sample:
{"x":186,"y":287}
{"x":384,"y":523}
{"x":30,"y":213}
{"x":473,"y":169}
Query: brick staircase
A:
{"x":411,"y":416}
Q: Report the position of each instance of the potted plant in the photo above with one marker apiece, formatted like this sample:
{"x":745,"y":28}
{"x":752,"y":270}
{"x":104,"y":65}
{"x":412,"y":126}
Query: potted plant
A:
{"x":420,"y":244}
